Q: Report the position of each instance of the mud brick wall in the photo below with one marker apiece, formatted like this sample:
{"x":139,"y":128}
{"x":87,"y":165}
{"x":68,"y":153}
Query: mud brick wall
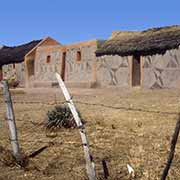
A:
{"x":81,"y":71}
{"x":161,"y":71}
{"x":113,"y":71}
{"x":45,"y":71}
{"x":20,"y":73}
{"x":8,"y":71}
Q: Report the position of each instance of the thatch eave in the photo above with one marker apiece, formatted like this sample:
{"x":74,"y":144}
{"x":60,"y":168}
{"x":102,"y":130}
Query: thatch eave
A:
{"x":149,"y":42}
{"x":12,"y":55}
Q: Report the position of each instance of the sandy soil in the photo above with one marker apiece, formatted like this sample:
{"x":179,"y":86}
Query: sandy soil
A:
{"x":123,"y":126}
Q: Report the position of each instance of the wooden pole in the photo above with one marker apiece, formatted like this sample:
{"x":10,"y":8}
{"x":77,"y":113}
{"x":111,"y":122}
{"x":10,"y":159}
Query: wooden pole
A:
{"x":89,"y":164}
{"x":105,"y":169}
{"x":11,"y":122}
{"x":172,"y":149}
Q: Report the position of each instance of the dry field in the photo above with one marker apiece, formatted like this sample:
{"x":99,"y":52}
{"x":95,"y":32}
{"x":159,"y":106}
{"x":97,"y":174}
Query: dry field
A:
{"x":124,"y":127}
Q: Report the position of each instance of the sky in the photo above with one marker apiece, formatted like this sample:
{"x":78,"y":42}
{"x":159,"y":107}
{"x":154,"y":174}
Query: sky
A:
{"x":70,"y":21}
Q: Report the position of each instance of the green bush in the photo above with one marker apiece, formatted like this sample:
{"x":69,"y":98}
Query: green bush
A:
{"x":59,"y":117}
{"x":13,"y":82}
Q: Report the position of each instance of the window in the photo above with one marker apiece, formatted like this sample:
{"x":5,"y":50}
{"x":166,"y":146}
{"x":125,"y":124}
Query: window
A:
{"x":48,"y":59}
{"x":78,"y":56}
{"x":14,"y":66}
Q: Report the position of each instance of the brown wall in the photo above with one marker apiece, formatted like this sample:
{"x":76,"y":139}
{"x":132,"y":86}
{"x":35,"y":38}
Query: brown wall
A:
{"x":161,"y":71}
{"x":83,"y":70}
{"x":114,"y":71}
{"x":44,"y":70}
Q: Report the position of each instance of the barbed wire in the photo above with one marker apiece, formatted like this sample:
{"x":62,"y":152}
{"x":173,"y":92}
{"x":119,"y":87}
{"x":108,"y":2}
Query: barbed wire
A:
{"x":50,"y":103}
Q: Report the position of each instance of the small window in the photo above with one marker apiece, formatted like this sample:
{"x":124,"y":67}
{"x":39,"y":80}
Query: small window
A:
{"x":14,"y":66}
{"x":48,"y":60}
{"x":78,"y":56}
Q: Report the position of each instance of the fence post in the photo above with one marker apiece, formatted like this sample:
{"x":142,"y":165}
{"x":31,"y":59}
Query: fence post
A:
{"x":11,"y":122}
{"x":89,"y":164}
{"x":172,"y":149}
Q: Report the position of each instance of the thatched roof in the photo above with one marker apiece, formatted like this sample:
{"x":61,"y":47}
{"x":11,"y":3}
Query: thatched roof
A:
{"x":10,"y":55}
{"x":149,"y":42}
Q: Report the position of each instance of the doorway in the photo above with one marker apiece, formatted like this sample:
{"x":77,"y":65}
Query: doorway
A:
{"x":63,"y":66}
{"x":1,"y":73}
{"x":31,"y":69}
{"x":136,"y":71}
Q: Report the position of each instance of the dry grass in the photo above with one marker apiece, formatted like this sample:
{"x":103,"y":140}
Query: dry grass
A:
{"x":139,"y":136}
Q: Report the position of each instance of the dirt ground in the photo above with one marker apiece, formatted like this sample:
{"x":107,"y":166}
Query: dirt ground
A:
{"x":123,"y":127}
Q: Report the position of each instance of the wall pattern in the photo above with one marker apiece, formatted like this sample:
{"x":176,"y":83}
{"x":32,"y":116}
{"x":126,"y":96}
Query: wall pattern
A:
{"x":18,"y":72}
{"x":80,"y":71}
{"x":161,"y":71}
{"x":113,"y":71}
{"x":8,"y":71}
{"x":45,"y":71}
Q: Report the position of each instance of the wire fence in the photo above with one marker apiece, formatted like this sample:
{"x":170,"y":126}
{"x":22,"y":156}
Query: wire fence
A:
{"x":50,"y":103}
{"x":24,"y":138}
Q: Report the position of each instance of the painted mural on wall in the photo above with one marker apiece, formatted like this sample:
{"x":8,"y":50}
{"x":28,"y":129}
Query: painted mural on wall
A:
{"x":113,"y":71}
{"x":82,"y":70}
{"x":9,"y":71}
{"x":162,"y":71}
{"x":20,"y":73}
{"x":46,"y":64}
{"x":15,"y":71}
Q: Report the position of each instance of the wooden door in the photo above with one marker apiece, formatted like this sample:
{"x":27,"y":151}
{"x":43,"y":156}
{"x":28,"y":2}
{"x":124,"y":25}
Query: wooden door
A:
{"x":63,"y":66}
{"x":136,"y":71}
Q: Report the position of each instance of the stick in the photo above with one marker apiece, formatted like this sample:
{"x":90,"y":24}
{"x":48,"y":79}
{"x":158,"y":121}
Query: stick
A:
{"x":89,"y":167}
{"x":11,"y":122}
{"x":105,"y":169}
{"x":34,"y":154}
{"x":172,"y":149}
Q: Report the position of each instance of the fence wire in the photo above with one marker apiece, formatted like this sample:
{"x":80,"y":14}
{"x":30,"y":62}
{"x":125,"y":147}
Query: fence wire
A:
{"x":50,"y":103}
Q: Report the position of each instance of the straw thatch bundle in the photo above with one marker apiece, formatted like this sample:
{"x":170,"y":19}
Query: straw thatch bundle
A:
{"x":11,"y":55}
{"x":149,"y":42}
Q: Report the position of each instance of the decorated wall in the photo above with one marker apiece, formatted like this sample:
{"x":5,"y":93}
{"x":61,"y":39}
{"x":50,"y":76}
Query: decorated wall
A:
{"x":161,"y":71}
{"x":9,"y":71}
{"x":44,"y":65}
{"x":81,"y":70}
{"x":15,"y":71}
{"x":113,"y":71}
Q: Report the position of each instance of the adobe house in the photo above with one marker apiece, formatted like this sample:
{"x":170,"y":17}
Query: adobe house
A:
{"x":75,"y":62}
{"x":34,"y":64}
{"x":149,"y":59}
{"x":42,"y":62}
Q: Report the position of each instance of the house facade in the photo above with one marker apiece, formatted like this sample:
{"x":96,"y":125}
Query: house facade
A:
{"x":75,"y":63}
{"x":42,"y":62}
{"x":80,"y":64}
{"x":148,"y":59}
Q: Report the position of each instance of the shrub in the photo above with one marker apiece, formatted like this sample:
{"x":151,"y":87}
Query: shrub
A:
{"x":59,"y":117}
{"x":13,"y":82}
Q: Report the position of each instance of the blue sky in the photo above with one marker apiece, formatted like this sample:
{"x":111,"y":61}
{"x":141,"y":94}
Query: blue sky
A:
{"x":71,"y":21}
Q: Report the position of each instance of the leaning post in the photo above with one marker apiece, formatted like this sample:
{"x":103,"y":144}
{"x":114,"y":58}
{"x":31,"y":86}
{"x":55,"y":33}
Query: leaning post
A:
{"x":89,"y":164}
{"x":11,"y":122}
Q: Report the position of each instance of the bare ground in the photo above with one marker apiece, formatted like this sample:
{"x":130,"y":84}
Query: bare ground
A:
{"x":124,"y":127}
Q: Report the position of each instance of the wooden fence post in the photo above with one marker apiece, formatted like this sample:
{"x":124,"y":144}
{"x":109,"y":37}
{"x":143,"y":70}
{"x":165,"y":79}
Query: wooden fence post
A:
{"x":89,"y":164}
{"x":105,"y":169}
{"x":11,"y":122}
{"x":172,"y":149}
